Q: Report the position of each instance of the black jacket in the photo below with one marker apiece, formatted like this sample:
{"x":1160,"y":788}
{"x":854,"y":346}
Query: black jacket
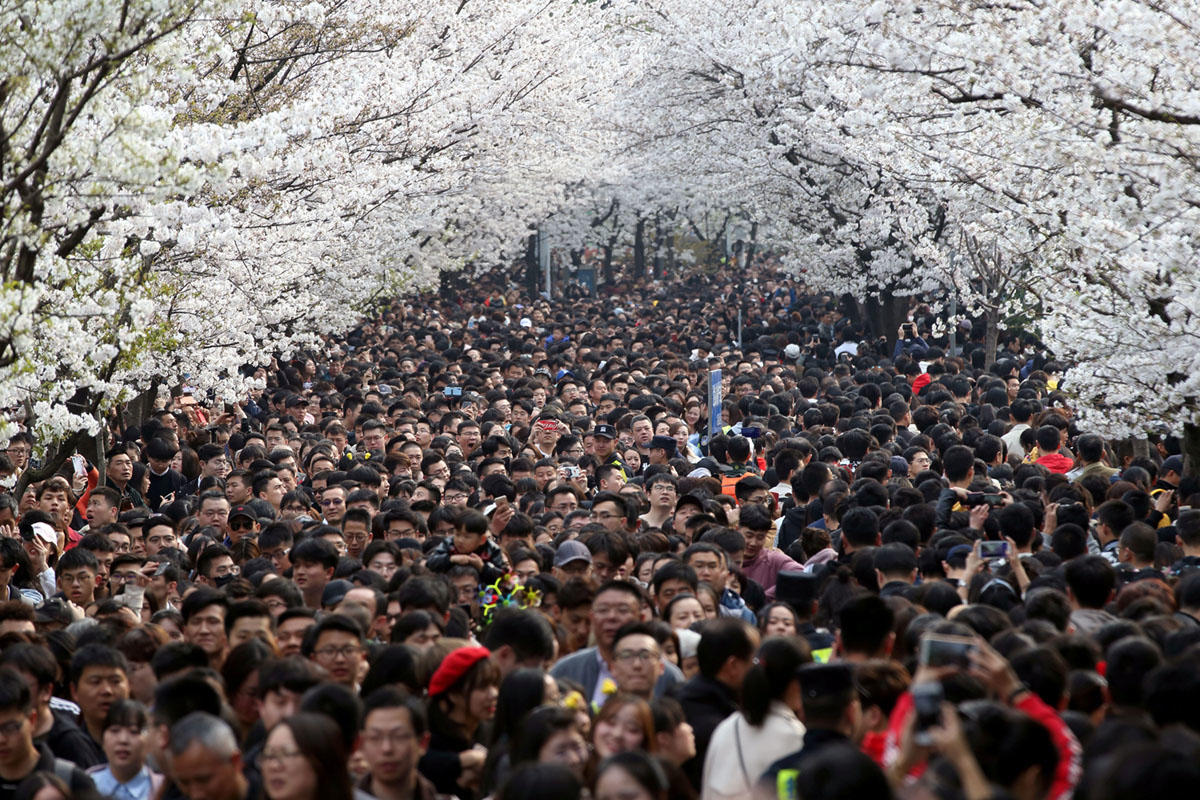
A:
{"x":706,"y":702}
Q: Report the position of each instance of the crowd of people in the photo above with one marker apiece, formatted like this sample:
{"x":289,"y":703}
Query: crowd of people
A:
{"x":488,"y":545}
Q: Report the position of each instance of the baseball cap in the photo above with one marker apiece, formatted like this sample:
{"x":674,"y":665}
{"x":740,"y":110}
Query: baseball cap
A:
{"x":605,"y":432}
{"x":1172,"y":464}
{"x":242,"y":511}
{"x":335,"y":591}
{"x":571,"y":551}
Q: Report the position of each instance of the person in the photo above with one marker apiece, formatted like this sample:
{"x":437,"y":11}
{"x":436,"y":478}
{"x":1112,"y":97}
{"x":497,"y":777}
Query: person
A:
{"x":395,"y":735}
{"x":831,"y":716}
{"x":304,"y":758}
{"x":337,"y":644}
{"x":725,"y":654}
{"x":630,"y":776}
{"x":767,"y":727}
{"x":206,"y":763}
{"x":54,"y":727}
{"x":616,"y":604}
{"x":126,"y":775}
{"x":99,"y":678}
{"x":638,"y":661}
{"x":550,"y":735}
{"x":623,"y":723}
{"x":538,"y":781}
{"x":204,"y":622}
{"x":462,"y":696}
{"x":19,"y":756}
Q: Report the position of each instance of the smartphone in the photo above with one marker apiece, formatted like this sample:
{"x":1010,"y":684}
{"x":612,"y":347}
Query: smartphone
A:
{"x":945,"y":650}
{"x":751,"y":433}
{"x":990,"y":549}
{"x":501,"y":502}
{"x":80,"y":465}
{"x":927,"y":703}
{"x":131,"y":597}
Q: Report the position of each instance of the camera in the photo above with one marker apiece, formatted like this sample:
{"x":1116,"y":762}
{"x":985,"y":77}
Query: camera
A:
{"x":990,"y":549}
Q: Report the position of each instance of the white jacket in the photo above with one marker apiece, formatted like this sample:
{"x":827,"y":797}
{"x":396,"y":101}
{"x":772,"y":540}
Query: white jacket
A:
{"x":739,"y":753}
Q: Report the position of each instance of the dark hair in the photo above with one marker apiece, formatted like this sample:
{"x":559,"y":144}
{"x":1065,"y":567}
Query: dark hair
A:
{"x":178,"y":697}
{"x":202,"y":598}
{"x":315,"y":551}
{"x":34,"y":659}
{"x":391,"y":697}
{"x":96,"y":655}
{"x":541,"y":782}
{"x":394,"y":664}
{"x":127,"y":713}
{"x":864,"y":623}
{"x":841,"y":771}
{"x":527,"y":632}
{"x":14,"y":692}
{"x":721,"y":639}
{"x":338,"y":704}
{"x":1091,"y":580}
{"x":773,"y":672}
{"x":293,"y":673}
{"x":536,"y":728}
{"x":640,"y":766}
{"x":321,"y":743}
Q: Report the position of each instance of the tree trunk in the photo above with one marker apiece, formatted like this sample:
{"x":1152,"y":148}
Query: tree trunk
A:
{"x":639,"y":248}
{"x":607,"y":263}
{"x":991,"y":340}
{"x":883,"y":316}
{"x":531,"y":266}
{"x":1191,"y":450}
{"x":752,"y":244}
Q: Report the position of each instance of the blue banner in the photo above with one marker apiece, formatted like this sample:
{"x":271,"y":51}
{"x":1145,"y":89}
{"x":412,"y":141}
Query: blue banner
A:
{"x":714,"y":402}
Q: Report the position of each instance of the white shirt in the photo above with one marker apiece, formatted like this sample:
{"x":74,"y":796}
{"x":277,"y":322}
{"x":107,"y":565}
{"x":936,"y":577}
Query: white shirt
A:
{"x":739,"y":754}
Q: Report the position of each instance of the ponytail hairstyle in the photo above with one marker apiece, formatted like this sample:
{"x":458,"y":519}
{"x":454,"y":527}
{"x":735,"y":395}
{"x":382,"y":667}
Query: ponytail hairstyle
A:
{"x":772,"y":673}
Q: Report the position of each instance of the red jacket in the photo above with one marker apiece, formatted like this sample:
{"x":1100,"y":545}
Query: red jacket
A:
{"x":1057,"y":462}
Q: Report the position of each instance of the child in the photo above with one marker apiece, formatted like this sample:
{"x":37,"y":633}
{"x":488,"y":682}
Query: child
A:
{"x":125,"y":741}
{"x":470,"y":544}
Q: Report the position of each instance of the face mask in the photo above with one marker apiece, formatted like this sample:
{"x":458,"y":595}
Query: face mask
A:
{"x":223,"y":580}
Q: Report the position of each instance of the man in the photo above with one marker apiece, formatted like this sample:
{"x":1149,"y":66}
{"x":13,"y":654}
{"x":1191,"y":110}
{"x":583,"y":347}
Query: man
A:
{"x":291,"y":627}
{"x":605,"y":437}
{"x":394,"y":737}
{"x":799,"y":590}
{"x":281,"y":684}
{"x":313,"y":562}
{"x":895,"y":568}
{"x":103,"y":507}
{"x":54,"y":498}
{"x":215,"y":567}
{"x":242,"y":522}
{"x":609,"y":478}
{"x":643,"y":432}
{"x":205,"y":760}
{"x":247,"y":619}
{"x":519,"y":638}
{"x":759,"y":562}
{"x":1091,"y":583}
{"x":333,"y":504}
{"x":1112,"y":518}
{"x":724,"y":654}
{"x":662,"y":490}
{"x":356,"y":531}
{"x":637,"y":660}
{"x":238,"y":489}
{"x":1135,"y":553}
{"x":268,"y":487}
{"x":617,"y":603}
{"x":661,"y":450}
{"x":214,"y":512}
{"x":204,"y":623}
{"x":573,"y":560}
{"x":1021,"y":410}
{"x":78,"y":575}
{"x":831,"y":716}
{"x":712,"y":567}
{"x":213,"y":464}
{"x":19,"y":756}
{"x":160,"y":535}
{"x":99,"y":678}
{"x":336,"y":644}
{"x":1049,"y":441}
{"x":53,"y":727}
{"x":164,"y":482}
{"x":118,"y":472}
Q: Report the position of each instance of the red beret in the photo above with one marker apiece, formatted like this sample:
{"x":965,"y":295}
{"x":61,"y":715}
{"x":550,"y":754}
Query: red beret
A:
{"x":454,"y":666}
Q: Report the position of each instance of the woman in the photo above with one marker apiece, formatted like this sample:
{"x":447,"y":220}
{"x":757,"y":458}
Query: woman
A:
{"x":304,"y":758}
{"x":766,"y":729}
{"x":541,"y":782}
{"x":630,"y":776}
{"x":684,"y":610}
{"x":679,"y":432}
{"x":624,"y":723}
{"x":240,"y":673}
{"x":549,"y":735}
{"x":708,"y":600}
{"x":633,"y":460}
{"x":463,"y":691}
{"x":777,"y":619}
{"x":520,"y":691}
{"x":126,"y":741}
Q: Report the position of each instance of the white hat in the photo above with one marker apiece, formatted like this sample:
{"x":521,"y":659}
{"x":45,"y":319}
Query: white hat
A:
{"x":44,"y":531}
{"x":792,"y":351}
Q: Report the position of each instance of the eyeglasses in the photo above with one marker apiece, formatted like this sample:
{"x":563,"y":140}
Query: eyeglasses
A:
{"x":278,"y":755}
{"x":396,"y":736}
{"x":241,"y":524}
{"x":604,"y":515}
{"x":121,"y":577}
{"x":457,"y":497}
{"x":345,"y":651}
{"x":639,"y":655}
{"x":331,"y":501}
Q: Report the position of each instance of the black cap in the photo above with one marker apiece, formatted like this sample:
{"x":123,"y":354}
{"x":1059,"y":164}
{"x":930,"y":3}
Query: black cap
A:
{"x":797,"y":589}
{"x":605,"y":431}
{"x":824,"y":680}
{"x":335,"y":591}
{"x":54,"y":610}
{"x":242,"y":511}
